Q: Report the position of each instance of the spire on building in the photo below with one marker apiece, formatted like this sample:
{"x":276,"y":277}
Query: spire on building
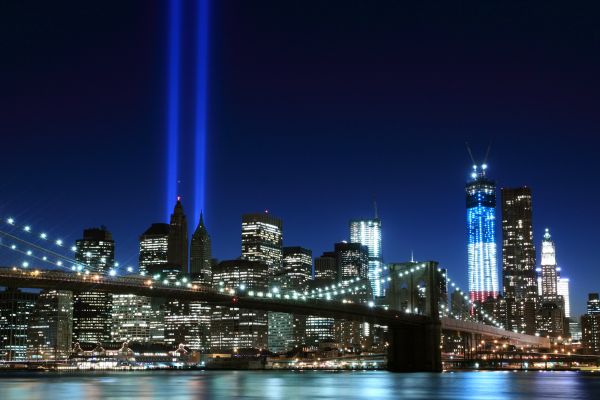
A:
{"x":200,"y":254}
{"x":178,"y":238}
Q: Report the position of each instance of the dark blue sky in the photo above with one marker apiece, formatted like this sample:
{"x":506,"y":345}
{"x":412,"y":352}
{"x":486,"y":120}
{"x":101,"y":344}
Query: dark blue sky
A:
{"x":314,"y":108}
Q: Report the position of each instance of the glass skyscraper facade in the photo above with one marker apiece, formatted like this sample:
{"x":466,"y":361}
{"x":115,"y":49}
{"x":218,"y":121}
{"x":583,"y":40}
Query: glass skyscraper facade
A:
{"x":153,"y":247}
{"x":49,"y":331}
{"x":368,"y":233}
{"x":481,"y":234}
{"x":92,"y":310}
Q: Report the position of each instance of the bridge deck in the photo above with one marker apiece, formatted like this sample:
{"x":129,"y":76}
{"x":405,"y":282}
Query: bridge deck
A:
{"x":144,"y":286}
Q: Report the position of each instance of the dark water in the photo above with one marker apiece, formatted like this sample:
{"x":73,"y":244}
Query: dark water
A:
{"x":300,"y":385}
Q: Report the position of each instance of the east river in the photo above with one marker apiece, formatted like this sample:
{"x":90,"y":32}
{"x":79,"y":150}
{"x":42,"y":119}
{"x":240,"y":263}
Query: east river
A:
{"x":299,"y":385}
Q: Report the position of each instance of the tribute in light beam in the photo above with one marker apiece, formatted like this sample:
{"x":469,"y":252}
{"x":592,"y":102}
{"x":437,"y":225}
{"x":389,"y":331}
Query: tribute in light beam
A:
{"x":173,"y":82}
{"x":203,"y":13}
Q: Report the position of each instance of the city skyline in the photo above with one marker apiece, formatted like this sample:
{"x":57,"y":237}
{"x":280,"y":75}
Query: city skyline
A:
{"x":416,"y":166}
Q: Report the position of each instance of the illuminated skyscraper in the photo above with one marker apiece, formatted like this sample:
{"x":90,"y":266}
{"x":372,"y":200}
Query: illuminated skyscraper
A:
{"x":368,"y":233}
{"x":481,"y":231}
{"x":177,"y":253}
{"x":519,"y":261}
{"x":287,"y":330}
{"x":549,"y":268}
{"x":326,"y":269}
{"x":262,"y":240}
{"x":231,"y":327}
{"x":563,"y":290}
{"x":200,"y":254}
{"x":352,"y":261}
{"x":154,"y":244}
{"x":49,"y":331}
{"x":131,"y":315}
{"x":92,"y":310}
{"x":518,"y":250}
{"x":551,"y":315}
{"x":590,"y":325}
{"x":16,"y":308}
{"x":296,"y":269}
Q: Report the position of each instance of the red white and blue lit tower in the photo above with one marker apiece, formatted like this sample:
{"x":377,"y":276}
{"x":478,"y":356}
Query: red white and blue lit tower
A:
{"x":481,"y":231}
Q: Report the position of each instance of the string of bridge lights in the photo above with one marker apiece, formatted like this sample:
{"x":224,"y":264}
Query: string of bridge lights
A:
{"x":327,"y":292}
{"x":59,"y":243}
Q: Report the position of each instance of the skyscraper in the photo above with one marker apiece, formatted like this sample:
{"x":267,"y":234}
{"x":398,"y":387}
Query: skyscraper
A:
{"x":287,"y":330}
{"x":551,"y":315}
{"x":518,"y":260}
{"x":590,"y":325}
{"x":50,"y":326}
{"x":231,"y":327}
{"x":352,"y":261}
{"x":296,"y":269}
{"x":177,"y":253}
{"x":368,"y":233}
{"x":16,"y":308}
{"x":326,"y":269}
{"x":481,"y":234}
{"x":563,"y":291}
{"x":131,"y":315}
{"x":262,"y":240}
{"x":549,"y":268}
{"x":200,"y":254}
{"x":518,"y":250}
{"x":92,"y":310}
{"x":154,"y":244}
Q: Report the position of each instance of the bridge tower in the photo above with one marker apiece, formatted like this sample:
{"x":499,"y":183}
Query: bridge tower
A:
{"x":415,"y":287}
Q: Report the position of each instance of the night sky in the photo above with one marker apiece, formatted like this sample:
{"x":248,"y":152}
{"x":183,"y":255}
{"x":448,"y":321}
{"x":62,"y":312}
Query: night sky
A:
{"x":315,"y":108}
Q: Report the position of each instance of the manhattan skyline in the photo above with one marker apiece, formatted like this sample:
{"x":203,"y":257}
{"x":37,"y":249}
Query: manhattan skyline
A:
{"x":384,"y":118}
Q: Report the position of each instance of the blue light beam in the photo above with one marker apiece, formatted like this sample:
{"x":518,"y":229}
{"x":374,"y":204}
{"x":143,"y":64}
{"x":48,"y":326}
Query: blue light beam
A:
{"x":201,"y":106}
{"x":173,"y":87}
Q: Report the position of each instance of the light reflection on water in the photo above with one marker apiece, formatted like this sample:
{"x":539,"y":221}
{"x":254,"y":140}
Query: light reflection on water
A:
{"x":298,"y":385}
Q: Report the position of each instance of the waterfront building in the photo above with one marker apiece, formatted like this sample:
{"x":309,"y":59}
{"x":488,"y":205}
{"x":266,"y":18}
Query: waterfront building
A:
{"x":177,"y":252}
{"x":368,"y":233}
{"x":131,"y":315}
{"x":286,"y":331}
{"x":92,"y":310}
{"x":352,"y":261}
{"x":481,"y":235}
{"x":319,"y":329}
{"x":154,"y":244}
{"x":200,"y":254}
{"x":16,"y":309}
{"x":551,"y":317}
{"x":590,"y":325}
{"x":49,"y":330}
{"x":262,"y":241}
{"x":233,"y":328}
{"x":187,"y":323}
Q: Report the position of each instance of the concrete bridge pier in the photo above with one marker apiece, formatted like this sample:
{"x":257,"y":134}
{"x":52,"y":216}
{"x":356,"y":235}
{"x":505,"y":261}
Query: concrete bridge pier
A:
{"x":415,"y":348}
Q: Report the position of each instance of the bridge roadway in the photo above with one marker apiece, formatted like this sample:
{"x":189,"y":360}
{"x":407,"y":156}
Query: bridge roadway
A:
{"x":414,"y":339}
{"x":145,"y":286}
